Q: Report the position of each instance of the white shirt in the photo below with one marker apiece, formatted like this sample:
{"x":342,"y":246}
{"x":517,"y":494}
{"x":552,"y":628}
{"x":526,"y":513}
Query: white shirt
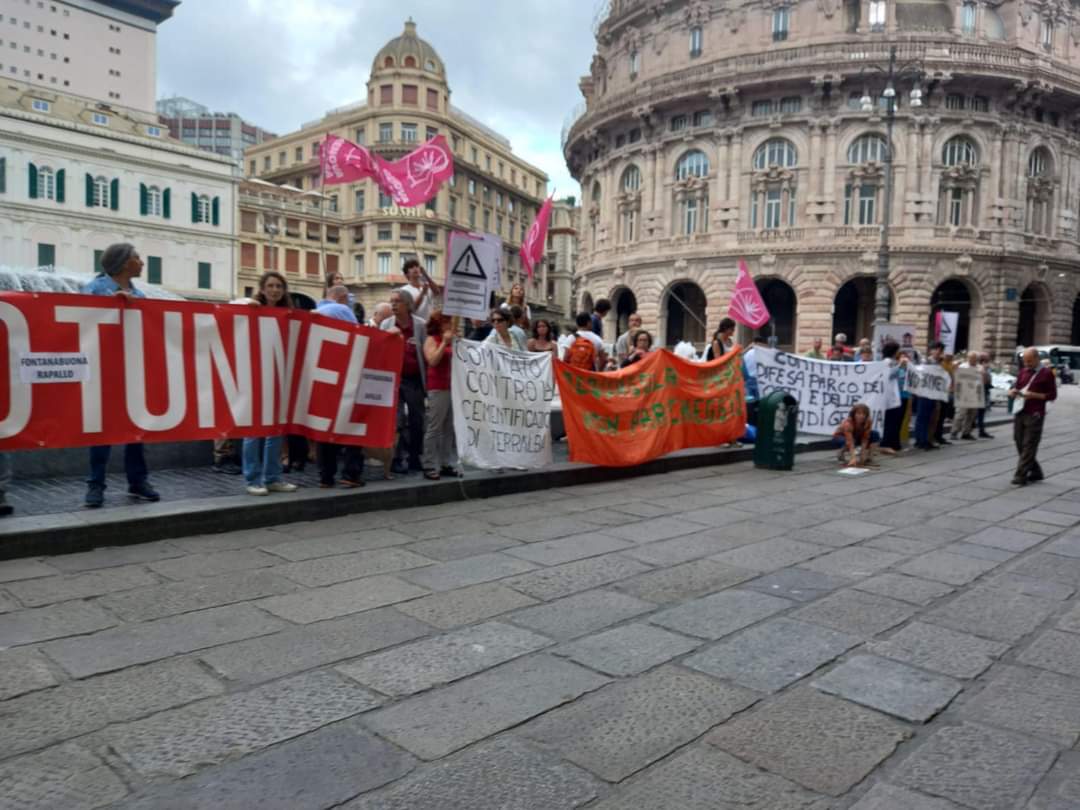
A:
{"x":422,"y":309}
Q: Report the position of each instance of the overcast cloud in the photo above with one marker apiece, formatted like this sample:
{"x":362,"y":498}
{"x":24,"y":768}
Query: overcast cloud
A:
{"x":279,"y":63}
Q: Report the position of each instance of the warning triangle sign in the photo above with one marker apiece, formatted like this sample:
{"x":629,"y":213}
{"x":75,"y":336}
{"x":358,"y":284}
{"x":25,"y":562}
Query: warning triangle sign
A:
{"x":468,"y":265}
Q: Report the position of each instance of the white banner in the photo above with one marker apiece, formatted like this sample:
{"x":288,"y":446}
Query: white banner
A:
{"x":502,"y":405}
{"x":947,"y":322}
{"x":969,"y":392}
{"x":825,"y":390}
{"x":472,"y":274}
{"x":930,"y":382}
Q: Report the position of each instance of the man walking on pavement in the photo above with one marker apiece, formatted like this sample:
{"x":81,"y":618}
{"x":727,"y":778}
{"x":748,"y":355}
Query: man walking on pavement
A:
{"x":1035,"y":386}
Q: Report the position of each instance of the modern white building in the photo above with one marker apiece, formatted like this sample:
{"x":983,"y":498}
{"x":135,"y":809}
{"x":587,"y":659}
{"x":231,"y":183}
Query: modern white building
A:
{"x":77,"y":175}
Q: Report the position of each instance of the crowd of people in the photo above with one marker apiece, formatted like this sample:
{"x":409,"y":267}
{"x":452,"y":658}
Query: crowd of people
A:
{"x":426,"y":444}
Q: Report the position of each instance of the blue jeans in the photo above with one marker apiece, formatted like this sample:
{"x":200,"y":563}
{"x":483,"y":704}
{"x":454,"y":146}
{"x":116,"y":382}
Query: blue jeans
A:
{"x":134,"y":465}
{"x":262,"y":461}
{"x":924,"y":416}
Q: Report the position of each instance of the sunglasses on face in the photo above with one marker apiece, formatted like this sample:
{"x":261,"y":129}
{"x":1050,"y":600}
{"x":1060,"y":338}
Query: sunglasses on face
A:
{"x":498,"y":320}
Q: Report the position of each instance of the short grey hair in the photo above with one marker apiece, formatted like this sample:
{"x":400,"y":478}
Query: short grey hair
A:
{"x":337,"y":291}
{"x":116,"y":256}
{"x":407,"y":298}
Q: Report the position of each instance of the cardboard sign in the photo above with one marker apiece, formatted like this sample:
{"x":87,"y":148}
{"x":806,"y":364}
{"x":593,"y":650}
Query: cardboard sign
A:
{"x":928,"y":381}
{"x":901,"y":333}
{"x":472,"y":275}
{"x":969,"y":391}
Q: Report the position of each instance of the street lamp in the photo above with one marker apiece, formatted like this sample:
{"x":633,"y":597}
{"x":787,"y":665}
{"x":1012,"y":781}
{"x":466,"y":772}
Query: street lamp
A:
{"x":893,"y":74}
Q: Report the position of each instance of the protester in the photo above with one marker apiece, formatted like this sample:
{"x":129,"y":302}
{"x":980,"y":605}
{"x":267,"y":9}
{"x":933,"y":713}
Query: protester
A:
{"x":262,"y":455}
{"x":623,"y":344}
{"x":945,"y":410}
{"x":984,"y":368}
{"x":336,"y":305}
{"x":1035,"y":386}
{"x":894,"y":417}
{"x":964,"y":421}
{"x":587,"y":350}
{"x":905,"y":359}
{"x":816,"y":353}
{"x":519,"y":324}
{"x":226,"y":459}
{"x":926,"y":409}
{"x":419,"y":289}
{"x":122,"y":264}
{"x":856,"y":438}
{"x":381,"y":312}
{"x":359,"y":313}
{"x":6,"y":509}
{"x":333,"y":279}
{"x":544,"y":338}
{"x":477,"y":329}
{"x":836,"y":354}
{"x":600,"y":311}
{"x":840,"y":344}
{"x":503,"y":335}
{"x":517,"y":299}
{"x":865,"y":355}
{"x":642,"y":346}
{"x":723,"y":340}
{"x":439,"y":438}
{"x":411,"y":388}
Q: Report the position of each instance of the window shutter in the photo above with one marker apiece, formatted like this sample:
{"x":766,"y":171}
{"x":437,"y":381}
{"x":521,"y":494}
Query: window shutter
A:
{"x":114,"y":195}
{"x":166,"y":203}
{"x":89,"y":191}
{"x":144,"y":203}
{"x":33,"y":182}
{"x":61,"y":176}
{"x":194,"y":207}
{"x":216,"y":211}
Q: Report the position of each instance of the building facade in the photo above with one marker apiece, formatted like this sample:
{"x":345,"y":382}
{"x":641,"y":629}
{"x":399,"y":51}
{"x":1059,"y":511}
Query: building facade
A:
{"x":77,"y":176}
{"x":360,"y":231}
{"x":222,"y":133}
{"x":561,"y":257}
{"x":105,"y":50}
{"x":720,"y":129}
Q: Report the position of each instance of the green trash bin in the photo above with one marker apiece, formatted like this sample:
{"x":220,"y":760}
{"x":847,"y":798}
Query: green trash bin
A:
{"x":777,"y":423}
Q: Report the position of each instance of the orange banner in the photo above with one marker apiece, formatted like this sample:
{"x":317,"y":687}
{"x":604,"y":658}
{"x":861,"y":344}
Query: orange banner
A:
{"x":656,"y":406}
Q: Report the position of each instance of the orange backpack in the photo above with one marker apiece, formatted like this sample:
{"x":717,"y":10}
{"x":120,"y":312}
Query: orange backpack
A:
{"x":582,"y":354}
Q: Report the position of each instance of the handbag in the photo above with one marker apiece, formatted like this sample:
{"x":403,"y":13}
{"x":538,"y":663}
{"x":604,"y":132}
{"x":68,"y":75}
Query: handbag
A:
{"x":1016,"y":404}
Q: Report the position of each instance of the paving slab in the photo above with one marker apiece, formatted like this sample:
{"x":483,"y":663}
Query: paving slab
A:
{"x":581,"y":613}
{"x":207,"y":565}
{"x":467,"y":571}
{"x":1060,"y":790}
{"x":158,"y":601}
{"x":651,"y":530}
{"x":720,"y":614}
{"x":770,"y":555}
{"x":942,"y":566}
{"x":1042,"y":588}
{"x":347,"y":543}
{"x":628,"y":725}
{"x":854,"y":562}
{"x":56,"y":621}
{"x":537,"y":531}
{"x":66,"y":776}
{"x":50,"y":590}
{"x":320,"y":769}
{"x":498,"y":775}
{"x":798,"y":584}
{"x":75,"y":708}
{"x":857,"y":529}
{"x":1036,"y":702}
{"x":884,"y":796}
{"x":436,"y":723}
{"x":990,"y":553}
{"x":891,"y":687}
{"x":15,"y":570}
{"x":681,"y":582}
{"x":296,"y":649}
{"x":445,"y":549}
{"x":1068,"y":546}
{"x":181,"y":741}
{"x":572,"y":577}
{"x":111,"y":557}
{"x":1052,"y":567}
{"x":905,"y":588}
{"x":627,"y":650}
{"x":901,"y":545}
{"x":977,"y":766}
{"x":1054,"y":650}
{"x":568,"y":549}
{"x":321,"y":571}
{"x":860,"y":614}
{"x":23,"y":670}
{"x":1070,"y":621}
{"x":150,"y":641}
{"x":705,"y":778}
{"x":465,"y":605}
{"x":355,"y":596}
{"x":773,"y":654}
{"x":992,"y":613}
{"x":821,"y":742}
{"x":1007,"y":539}
{"x":940,"y":649}
{"x":685,"y":548}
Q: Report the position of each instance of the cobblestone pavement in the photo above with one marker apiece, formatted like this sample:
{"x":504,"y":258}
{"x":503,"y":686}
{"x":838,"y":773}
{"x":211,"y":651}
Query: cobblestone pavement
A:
{"x":717,"y":638}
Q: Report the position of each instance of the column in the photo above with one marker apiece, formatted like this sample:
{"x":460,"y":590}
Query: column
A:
{"x":656,"y":155}
{"x":969,"y":206}
{"x":735,"y":169}
{"x":927,"y":154}
{"x":911,"y":165}
{"x":816,"y":173}
{"x":996,"y":148}
{"x":830,"y":161}
{"x":723,"y":166}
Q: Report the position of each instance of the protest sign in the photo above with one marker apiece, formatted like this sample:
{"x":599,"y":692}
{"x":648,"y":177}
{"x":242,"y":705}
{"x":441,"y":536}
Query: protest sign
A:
{"x":825,"y":390}
{"x":929,"y":382}
{"x":902,"y":334}
{"x":502,"y":405}
{"x":472,"y":274}
{"x":945,"y":324}
{"x":656,"y":406}
{"x":969,"y":391}
{"x":101,"y":370}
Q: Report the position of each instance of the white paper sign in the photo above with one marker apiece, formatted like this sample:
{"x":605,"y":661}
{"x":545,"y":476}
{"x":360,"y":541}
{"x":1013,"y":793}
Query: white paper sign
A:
{"x":376,"y":388}
{"x":947,"y":323}
{"x":902,"y":334}
{"x":53,"y":367}
{"x":928,"y":381}
{"x":473,"y":273}
{"x":502,"y":405}
{"x":969,"y":388}
{"x":825,"y":390}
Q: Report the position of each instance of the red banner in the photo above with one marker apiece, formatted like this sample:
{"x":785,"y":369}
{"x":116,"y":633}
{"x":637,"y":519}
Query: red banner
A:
{"x":84,"y":370}
{"x":658,"y":405}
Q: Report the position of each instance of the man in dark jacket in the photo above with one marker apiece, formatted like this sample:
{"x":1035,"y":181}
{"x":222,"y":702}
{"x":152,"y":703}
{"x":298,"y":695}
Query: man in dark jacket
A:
{"x":1035,"y":386}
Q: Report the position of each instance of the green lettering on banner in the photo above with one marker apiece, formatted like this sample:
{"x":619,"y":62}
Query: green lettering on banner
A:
{"x":671,"y":377}
{"x":673,"y":409}
{"x":658,"y":412}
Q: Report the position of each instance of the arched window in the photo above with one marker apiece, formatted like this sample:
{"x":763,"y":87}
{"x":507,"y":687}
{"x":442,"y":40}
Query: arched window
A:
{"x":153,"y":201}
{"x":388,"y":62}
{"x":967,"y":17}
{"x":46,"y":183}
{"x":960,"y":151}
{"x":430,"y":65}
{"x":631,"y":179}
{"x":776,"y":152}
{"x":1039,"y":163}
{"x":202,"y":207}
{"x":1039,"y":212}
{"x":596,"y":192}
{"x":692,"y":164}
{"x":695,"y":41}
{"x":410,"y":62}
{"x":101,"y":192}
{"x":868,"y":148}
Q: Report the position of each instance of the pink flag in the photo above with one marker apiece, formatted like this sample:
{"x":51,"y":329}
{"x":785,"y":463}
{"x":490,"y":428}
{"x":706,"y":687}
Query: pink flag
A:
{"x":747,"y":305}
{"x":532,"y":249}
{"x":345,"y":162}
{"x":416,"y":178}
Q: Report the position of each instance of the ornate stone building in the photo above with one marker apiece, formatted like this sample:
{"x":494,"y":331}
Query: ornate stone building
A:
{"x":287,"y":222}
{"x":719,"y":129}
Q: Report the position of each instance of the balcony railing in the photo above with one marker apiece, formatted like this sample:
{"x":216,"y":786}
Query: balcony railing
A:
{"x":773,"y":235}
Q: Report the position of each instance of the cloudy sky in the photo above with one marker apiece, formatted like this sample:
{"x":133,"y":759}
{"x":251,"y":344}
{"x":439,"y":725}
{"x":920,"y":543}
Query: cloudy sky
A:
{"x":279,"y":63}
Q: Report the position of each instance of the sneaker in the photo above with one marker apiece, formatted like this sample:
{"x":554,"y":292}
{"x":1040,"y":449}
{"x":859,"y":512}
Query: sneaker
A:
{"x":254,"y":490}
{"x":1019,"y":482}
{"x":968,"y":437}
{"x":449,"y":472}
{"x":281,"y":486}
{"x":1034,"y":478}
{"x":144,"y":492}
{"x":95,"y":496}
{"x":399,"y":468}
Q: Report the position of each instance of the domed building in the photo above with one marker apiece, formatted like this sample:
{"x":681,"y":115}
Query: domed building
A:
{"x":289,"y":223}
{"x":720,"y":129}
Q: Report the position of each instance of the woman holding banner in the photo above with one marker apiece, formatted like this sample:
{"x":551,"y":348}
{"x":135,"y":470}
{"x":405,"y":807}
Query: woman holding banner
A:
{"x":642,"y":343}
{"x":895,"y":406}
{"x":121,"y":264}
{"x":262,"y":455}
{"x":544,"y":338}
{"x":439,"y":438}
{"x":502,"y":336}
